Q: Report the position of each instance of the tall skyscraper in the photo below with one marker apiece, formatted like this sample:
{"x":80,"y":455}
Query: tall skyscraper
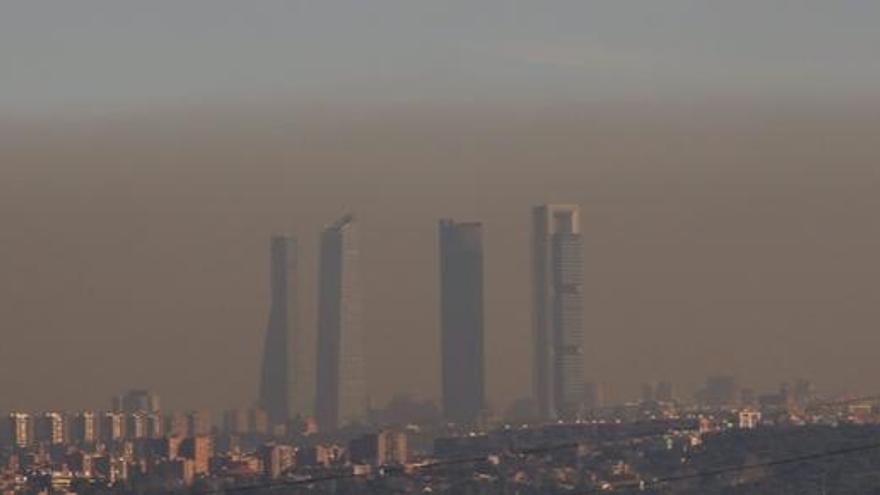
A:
{"x":341,"y":391}
{"x":285,"y":390}
{"x":461,"y":319}
{"x":558,"y":310}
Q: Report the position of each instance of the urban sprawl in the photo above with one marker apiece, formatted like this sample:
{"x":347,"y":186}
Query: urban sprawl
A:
{"x":312,"y":428}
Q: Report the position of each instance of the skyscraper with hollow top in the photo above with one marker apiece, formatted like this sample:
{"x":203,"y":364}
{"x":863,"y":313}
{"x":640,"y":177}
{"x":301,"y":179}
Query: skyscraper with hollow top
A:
{"x":284,"y":380}
{"x":461,"y":320}
{"x":341,"y":386}
{"x":557,"y":271}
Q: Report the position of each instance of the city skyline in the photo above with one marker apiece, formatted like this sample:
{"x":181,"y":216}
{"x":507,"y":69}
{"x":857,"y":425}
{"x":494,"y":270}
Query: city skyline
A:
{"x":725,"y":152}
{"x":557,"y":252}
{"x":616,"y":390}
{"x":513,"y":247}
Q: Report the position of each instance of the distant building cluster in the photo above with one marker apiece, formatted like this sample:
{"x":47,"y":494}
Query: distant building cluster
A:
{"x":334,"y":393}
{"x":312,"y":418}
{"x":133,"y":446}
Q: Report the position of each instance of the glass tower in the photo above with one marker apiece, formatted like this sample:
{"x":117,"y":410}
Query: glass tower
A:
{"x":461,"y":320}
{"x":284,"y":383}
{"x":558,"y":325}
{"x":341,"y":386}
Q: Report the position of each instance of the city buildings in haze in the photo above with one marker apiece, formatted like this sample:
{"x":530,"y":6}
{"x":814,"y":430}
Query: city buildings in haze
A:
{"x":341,"y":396}
{"x":21,"y":429}
{"x":648,"y":392}
{"x":285,"y":390}
{"x":137,"y":400}
{"x":383,"y":448}
{"x":719,"y":390}
{"x":461,"y":320}
{"x":52,"y":428}
{"x":664,"y":392}
{"x":85,"y":427}
{"x":557,"y":249}
{"x":199,"y":449}
{"x":595,"y":396}
{"x":199,"y":423}
{"x":276,"y":459}
{"x":112,"y":427}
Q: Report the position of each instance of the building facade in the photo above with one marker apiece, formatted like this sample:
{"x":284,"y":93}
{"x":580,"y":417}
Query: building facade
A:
{"x":84,"y":429}
{"x":341,"y":385}
{"x":557,"y":270}
{"x":461,"y":320}
{"x":285,"y":390}
{"x":112,"y":427}
{"x":21,"y":429}
{"x":52,"y":428}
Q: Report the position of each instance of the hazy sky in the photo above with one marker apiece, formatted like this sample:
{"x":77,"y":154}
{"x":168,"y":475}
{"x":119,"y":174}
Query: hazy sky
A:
{"x":121,"y":52}
{"x":724,"y":154}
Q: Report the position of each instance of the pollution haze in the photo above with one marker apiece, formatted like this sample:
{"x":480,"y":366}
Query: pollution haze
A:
{"x":724,"y":157}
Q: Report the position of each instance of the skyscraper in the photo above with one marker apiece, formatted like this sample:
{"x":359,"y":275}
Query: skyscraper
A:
{"x":558,"y":310}
{"x":461,"y":319}
{"x":341,"y":390}
{"x":284,"y":382}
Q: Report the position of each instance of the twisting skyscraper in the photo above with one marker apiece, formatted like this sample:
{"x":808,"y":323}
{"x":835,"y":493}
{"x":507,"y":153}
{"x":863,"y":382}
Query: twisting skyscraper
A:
{"x":461,"y":319}
{"x":341,"y":392}
{"x":558,"y":310}
{"x":284,"y":383}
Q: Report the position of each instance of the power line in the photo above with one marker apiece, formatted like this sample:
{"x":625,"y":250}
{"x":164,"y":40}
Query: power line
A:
{"x":279,"y":484}
{"x":748,"y":467}
{"x":389,"y":471}
{"x":771,"y":463}
{"x":393,"y":471}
